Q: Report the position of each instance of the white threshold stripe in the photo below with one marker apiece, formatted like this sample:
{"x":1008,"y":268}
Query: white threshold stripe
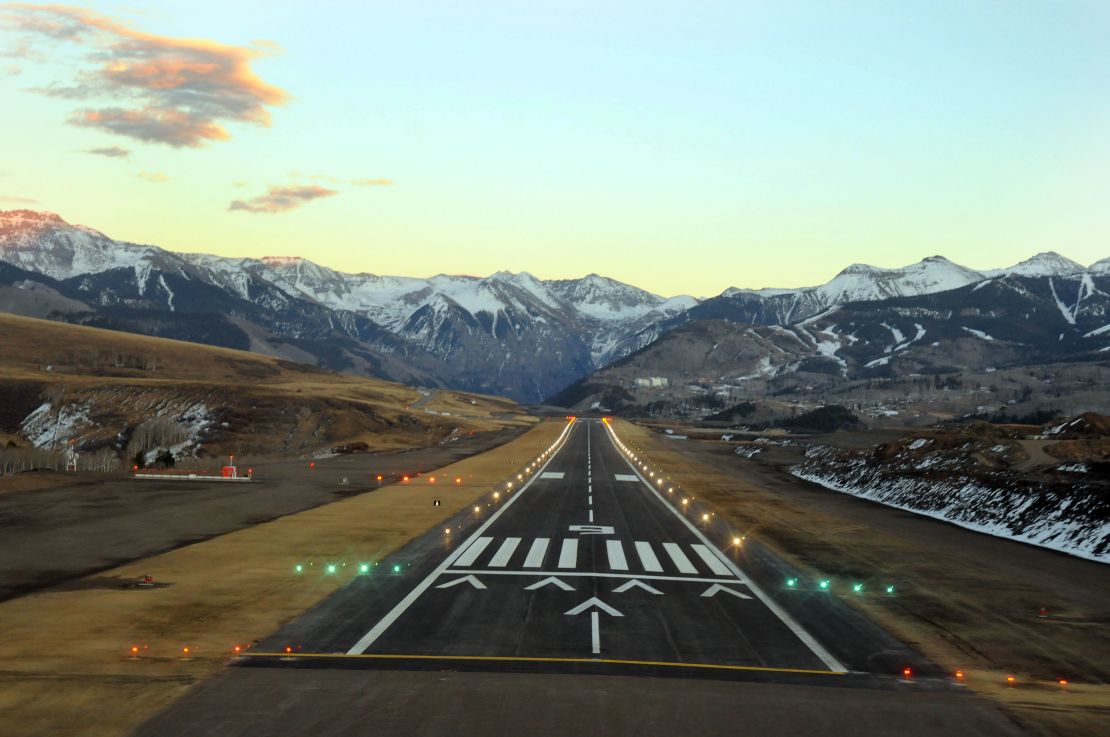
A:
{"x":817,"y":648}
{"x":615,"y":550}
{"x":647,"y":557}
{"x":474,"y":550}
{"x":681,"y":562}
{"x":536,"y":553}
{"x":501,"y":557}
{"x":568,"y":556}
{"x":591,"y":515}
{"x":711,"y":560}
{"x":376,"y":631}
{"x":593,"y":574}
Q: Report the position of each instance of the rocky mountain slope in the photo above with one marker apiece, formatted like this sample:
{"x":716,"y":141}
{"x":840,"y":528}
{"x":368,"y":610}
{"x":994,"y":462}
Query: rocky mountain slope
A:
{"x":528,"y":338}
{"x":970,"y":347}
{"x":507,"y":333}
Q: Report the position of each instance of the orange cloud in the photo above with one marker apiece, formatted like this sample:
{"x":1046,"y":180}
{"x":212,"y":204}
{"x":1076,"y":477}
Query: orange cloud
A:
{"x":175,"y":91}
{"x":282,"y":199}
{"x":18,"y":200}
{"x":372,"y":182}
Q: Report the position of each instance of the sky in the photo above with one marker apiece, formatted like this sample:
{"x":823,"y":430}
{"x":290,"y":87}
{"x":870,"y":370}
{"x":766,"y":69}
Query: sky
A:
{"x":681,"y":147}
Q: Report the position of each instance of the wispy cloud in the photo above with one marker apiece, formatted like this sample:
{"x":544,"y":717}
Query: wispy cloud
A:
{"x":175,"y":91}
{"x":372,"y":182}
{"x":112,"y":152}
{"x":282,"y":199}
{"x":11,"y":70}
{"x":18,"y":200}
{"x":154,"y":176}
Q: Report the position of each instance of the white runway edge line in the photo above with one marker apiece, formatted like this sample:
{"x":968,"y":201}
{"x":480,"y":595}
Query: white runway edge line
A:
{"x":376,"y":631}
{"x":817,"y":648}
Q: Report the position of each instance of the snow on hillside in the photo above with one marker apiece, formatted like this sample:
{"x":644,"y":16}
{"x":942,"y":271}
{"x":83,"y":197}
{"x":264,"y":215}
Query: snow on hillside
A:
{"x":46,"y":244}
{"x":860,"y":282}
{"x":1048,"y":263}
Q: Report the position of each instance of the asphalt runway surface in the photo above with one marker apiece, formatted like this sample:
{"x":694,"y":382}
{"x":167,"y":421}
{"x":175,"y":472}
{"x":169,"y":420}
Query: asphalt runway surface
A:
{"x":585,"y":598}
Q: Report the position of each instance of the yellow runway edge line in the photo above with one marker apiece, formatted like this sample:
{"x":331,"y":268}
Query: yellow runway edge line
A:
{"x":520,"y":659}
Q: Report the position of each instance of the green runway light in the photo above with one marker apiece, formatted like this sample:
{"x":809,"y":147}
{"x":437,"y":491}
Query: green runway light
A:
{"x":825,"y":584}
{"x":791,"y":582}
{"x":890,"y":589}
{"x":298,"y":568}
{"x":396,"y":569}
{"x":857,"y":587}
{"x":331,"y":568}
{"x":364,"y":568}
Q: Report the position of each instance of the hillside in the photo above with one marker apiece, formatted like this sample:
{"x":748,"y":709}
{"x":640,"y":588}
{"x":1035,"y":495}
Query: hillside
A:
{"x":1009,"y":345}
{"x":107,"y":393}
{"x":508,"y":334}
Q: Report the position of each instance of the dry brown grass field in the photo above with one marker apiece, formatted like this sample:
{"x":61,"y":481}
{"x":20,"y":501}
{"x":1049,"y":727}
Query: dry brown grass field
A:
{"x":960,"y":614}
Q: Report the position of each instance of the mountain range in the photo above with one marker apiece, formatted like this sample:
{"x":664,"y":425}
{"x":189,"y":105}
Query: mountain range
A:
{"x":509,"y":334}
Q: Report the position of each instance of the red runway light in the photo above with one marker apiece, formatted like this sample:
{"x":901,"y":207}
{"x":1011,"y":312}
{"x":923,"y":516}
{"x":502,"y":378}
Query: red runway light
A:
{"x":1010,"y":679}
{"x":185,"y":650}
{"x":134,"y":649}
{"x":237,"y":649}
{"x":907,"y":672}
{"x":288,"y":649}
{"x":404,"y":479}
{"x":458,"y":480}
{"x":1063,"y":681}
{"x":431,"y":479}
{"x":312,"y":465}
{"x":379,"y":477}
{"x":959,"y":674}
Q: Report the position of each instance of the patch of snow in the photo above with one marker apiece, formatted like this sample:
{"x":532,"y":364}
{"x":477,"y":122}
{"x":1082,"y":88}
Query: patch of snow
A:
{"x":978,"y":333}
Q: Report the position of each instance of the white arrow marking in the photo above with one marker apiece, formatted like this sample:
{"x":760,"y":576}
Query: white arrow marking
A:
{"x":717,"y":588}
{"x":471,"y":579}
{"x":549,"y":580}
{"x":635,"y":582}
{"x":595,"y":633}
{"x":594,"y":601}
{"x":592,"y":529}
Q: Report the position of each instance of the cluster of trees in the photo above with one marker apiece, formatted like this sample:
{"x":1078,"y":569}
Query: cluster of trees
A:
{"x":104,"y":359}
{"x":15,"y":459}
{"x":157,"y":432}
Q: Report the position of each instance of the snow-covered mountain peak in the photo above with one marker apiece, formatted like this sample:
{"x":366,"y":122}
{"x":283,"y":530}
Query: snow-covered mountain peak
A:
{"x":1048,"y":263}
{"x":1100,"y":268}
{"x":45,"y":243}
{"x":603,"y":298}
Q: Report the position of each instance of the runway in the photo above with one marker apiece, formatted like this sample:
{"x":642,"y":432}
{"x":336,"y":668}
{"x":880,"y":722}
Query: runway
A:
{"x":581,"y":568}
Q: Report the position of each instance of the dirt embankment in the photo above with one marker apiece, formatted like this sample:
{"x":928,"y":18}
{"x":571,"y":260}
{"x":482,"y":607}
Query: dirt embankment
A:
{"x":988,"y":478}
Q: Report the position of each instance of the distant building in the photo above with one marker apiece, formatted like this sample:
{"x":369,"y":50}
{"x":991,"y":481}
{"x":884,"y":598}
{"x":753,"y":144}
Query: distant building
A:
{"x":652,"y":382}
